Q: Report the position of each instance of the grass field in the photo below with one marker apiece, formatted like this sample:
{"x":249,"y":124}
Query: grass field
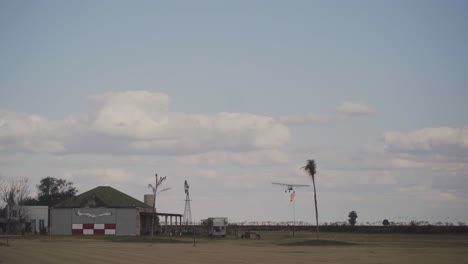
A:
{"x":359,"y":248}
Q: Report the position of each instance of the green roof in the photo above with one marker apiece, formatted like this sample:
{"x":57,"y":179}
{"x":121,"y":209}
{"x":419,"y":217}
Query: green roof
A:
{"x":102,"y":196}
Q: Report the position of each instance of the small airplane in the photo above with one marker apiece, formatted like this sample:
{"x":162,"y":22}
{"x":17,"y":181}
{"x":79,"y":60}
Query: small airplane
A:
{"x":290,"y":187}
{"x":78,"y":213}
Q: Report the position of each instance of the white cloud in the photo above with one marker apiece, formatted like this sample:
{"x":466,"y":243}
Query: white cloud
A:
{"x":385,"y":177}
{"x":102,"y":175}
{"x":31,"y":133}
{"x":207,"y":173}
{"x":309,"y":118}
{"x":358,"y":181}
{"x":136,"y":114}
{"x":345,"y":111}
{"x":353,"y":108}
{"x":231,"y":156}
{"x":426,"y":192}
{"x":406,"y":163}
{"x":140,"y":122}
{"x":427,"y":139}
{"x":89,"y":178}
{"x":251,"y":158}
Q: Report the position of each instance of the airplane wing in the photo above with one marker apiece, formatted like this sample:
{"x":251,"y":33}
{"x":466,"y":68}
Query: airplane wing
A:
{"x":291,"y":185}
{"x":278,"y":183}
{"x":78,"y":213}
{"x":300,"y":185}
{"x":105,"y":214}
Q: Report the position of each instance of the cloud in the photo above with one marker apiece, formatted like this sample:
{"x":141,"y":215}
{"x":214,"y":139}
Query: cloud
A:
{"x":406,"y":163}
{"x":243,"y":159}
{"x":343,"y":113}
{"x":136,"y":114}
{"x":452,"y":181}
{"x":233,"y":156}
{"x":30,"y":133}
{"x":309,"y":118}
{"x":428,"y":139}
{"x":140,"y":122}
{"x":207,"y":173}
{"x":426,"y":192}
{"x":352,"y":108}
{"x":89,"y":178}
{"x":102,"y":175}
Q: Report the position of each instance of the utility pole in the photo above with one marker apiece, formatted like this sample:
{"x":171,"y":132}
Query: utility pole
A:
{"x":158,"y":182}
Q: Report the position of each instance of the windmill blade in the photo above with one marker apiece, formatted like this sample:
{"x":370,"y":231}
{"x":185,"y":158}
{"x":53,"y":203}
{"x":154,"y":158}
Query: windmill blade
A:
{"x":164,"y":190}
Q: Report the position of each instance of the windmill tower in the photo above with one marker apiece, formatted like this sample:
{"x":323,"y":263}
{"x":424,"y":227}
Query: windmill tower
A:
{"x":187,"y":220}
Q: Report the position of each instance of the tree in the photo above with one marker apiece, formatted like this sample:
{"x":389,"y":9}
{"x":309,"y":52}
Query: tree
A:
{"x":30,"y":201}
{"x":310,"y":168}
{"x":13,"y":194}
{"x":53,"y":191}
{"x":158,"y":183}
{"x":352,"y":218}
{"x":385,"y":222}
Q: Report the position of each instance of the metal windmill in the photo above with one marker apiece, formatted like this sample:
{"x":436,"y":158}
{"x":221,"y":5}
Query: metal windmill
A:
{"x":187,"y":212}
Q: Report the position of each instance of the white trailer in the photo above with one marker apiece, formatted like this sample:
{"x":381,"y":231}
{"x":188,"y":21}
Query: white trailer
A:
{"x":217,"y":226}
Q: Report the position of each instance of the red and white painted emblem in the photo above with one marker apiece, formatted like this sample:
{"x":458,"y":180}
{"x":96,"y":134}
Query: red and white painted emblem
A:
{"x":93,"y":229}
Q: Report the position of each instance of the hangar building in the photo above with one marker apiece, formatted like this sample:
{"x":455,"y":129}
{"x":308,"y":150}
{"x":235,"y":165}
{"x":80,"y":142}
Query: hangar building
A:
{"x":101,"y":211}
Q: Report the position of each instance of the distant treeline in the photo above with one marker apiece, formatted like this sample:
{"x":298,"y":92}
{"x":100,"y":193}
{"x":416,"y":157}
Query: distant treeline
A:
{"x":418,"y":229}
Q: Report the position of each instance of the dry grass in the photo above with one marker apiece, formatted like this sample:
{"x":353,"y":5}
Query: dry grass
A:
{"x":371,"y":248}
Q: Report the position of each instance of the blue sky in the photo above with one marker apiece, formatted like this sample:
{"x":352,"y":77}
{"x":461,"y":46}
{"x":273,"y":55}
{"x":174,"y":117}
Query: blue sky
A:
{"x":401,"y":64}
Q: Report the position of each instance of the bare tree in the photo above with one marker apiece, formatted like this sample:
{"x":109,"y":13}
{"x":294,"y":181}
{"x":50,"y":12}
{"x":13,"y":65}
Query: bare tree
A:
{"x":154,"y":188}
{"x":13,"y":194}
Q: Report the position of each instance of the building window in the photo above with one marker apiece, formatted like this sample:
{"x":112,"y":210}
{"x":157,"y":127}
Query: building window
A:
{"x":14,"y":213}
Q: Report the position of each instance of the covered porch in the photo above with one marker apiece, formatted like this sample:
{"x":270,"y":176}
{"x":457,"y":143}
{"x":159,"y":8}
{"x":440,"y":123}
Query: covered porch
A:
{"x":168,"y":223}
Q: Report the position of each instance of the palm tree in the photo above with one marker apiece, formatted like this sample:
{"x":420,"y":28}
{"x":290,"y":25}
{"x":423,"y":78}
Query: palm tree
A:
{"x":310,"y":168}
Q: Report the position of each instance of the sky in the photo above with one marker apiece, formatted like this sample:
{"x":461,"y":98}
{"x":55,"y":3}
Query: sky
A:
{"x":234,"y":95}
